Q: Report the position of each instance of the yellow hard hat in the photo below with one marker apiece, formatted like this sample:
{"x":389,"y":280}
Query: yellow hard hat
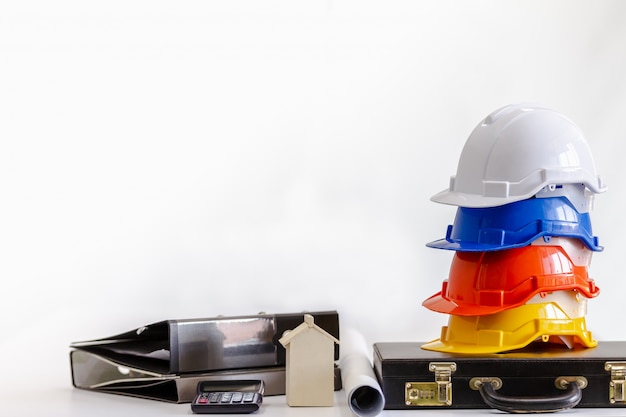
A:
{"x":511,"y":329}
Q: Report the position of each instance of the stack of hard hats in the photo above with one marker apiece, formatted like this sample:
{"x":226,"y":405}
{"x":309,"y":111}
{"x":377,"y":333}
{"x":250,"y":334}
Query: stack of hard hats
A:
{"x":522,"y":236}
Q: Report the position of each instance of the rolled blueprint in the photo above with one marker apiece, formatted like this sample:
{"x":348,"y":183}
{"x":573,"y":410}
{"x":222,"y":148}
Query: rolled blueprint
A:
{"x":365,"y":397}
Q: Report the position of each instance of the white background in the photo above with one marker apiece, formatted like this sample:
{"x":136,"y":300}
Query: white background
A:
{"x":170,"y":159}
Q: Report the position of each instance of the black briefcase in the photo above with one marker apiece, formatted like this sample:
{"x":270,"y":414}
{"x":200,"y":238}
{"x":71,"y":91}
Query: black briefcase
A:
{"x":542,"y":377}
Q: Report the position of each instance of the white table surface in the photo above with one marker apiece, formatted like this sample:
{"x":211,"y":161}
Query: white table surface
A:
{"x":66,"y":401}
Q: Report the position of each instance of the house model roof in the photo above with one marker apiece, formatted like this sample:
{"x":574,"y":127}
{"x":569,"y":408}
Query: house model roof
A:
{"x":306,"y":325}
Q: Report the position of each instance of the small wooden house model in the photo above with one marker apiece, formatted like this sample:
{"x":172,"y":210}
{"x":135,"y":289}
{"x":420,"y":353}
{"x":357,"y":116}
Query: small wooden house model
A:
{"x":310,"y":365}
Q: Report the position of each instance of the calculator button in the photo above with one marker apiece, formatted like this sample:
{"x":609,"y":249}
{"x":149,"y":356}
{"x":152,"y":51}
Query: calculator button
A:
{"x":226,"y":397}
{"x":203,"y":400}
{"x":248,"y":397}
{"x":214,"y":397}
{"x":237,"y":397}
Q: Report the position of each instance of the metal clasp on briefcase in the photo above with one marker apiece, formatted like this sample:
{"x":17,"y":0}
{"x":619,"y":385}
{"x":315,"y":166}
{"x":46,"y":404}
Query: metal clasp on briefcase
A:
{"x":438,"y":392}
{"x":618,"y":381}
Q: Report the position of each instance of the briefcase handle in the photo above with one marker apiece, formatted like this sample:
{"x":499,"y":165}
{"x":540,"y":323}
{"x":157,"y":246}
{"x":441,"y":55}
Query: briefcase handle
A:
{"x":568,"y":398}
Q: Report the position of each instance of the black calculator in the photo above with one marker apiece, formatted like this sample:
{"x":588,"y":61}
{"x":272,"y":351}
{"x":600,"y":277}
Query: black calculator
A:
{"x":228,"y":396}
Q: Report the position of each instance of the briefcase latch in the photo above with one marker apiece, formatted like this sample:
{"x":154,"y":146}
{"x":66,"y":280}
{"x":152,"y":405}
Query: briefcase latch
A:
{"x":618,"y":381}
{"x":432,"y":393}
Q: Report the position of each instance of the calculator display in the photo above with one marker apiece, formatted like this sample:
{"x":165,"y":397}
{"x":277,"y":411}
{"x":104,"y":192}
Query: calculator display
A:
{"x":207,"y":386}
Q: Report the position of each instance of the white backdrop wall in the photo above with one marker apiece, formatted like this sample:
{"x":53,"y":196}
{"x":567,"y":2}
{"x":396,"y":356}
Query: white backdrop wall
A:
{"x":165,"y":160}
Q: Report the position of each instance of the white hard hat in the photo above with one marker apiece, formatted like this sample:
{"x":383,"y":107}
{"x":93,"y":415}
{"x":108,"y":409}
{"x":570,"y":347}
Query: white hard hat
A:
{"x":515,"y":153}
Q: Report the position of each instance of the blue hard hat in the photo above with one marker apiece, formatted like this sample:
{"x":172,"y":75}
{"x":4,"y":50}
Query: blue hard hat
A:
{"x":516,"y":224}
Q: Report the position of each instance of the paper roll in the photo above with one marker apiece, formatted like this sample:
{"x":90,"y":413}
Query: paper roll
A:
{"x":365,"y":397}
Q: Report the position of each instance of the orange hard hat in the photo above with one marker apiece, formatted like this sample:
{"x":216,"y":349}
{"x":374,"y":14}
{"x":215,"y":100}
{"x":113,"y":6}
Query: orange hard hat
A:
{"x":481,"y":283}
